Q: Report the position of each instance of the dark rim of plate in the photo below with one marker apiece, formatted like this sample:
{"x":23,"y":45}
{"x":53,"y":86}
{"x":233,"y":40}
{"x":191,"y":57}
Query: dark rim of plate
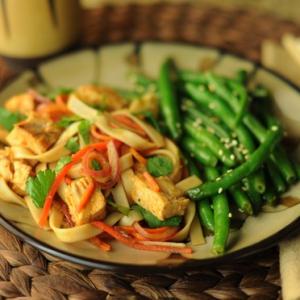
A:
{"x":188,"y":264}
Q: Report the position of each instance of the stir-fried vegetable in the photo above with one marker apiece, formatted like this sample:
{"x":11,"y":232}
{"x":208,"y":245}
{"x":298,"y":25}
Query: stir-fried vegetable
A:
{"x":159,"y":166}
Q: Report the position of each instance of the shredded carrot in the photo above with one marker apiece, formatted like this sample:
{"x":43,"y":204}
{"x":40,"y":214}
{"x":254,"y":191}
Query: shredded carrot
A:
{"x":151,"y":182}
{"x":134,"y":243}
{"x":68,"y":180}
{"x":131,"y":124}
{"x":100,"y":244}
{"x":99,"y":136}
{"x":138,"y":156}
{"x":61,"y":100}
{"x":86,"y":196}
{"x":61,"y":175}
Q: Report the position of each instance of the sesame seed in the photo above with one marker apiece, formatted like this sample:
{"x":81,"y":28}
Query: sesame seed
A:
{"x":218,"y":178}
{"x":274,"y":128}
{"x":221,"y":152}
{"x":220,"y":190}
{"x":234,"y":142}
{"x":230,"y":215}
{"x":212,"y":106}
{"x":229,"y":171}
{"x":232,"y":157}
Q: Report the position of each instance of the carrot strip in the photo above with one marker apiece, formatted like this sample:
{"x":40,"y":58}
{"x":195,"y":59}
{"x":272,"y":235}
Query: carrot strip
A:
{"x":68,"y":180}
{"x":129,"y":123}
{"x":86,"y":196}
{"x":100,"y":244}
{"x":138,"y":156}
{"x":134,"y":243}
{"x":151,"y":182}
{"x":99,"y":136}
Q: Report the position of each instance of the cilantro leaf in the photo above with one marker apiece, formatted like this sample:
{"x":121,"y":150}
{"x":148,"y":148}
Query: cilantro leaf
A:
{"x":73,"y":144}
{"x":38,"y":187}
{"x":61,"y":163}
{"x":59,"y":91}
{"x":84,"y":130}
{"x":154,"y":222}
{"x":67,"y":121}
{"x":122,"y":209}
{"x":159,"y":166}
{"x":95,"y":165}
{"x":8,"y":119}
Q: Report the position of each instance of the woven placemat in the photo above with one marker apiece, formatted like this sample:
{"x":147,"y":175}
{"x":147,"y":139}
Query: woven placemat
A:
{"x":26,"y":273}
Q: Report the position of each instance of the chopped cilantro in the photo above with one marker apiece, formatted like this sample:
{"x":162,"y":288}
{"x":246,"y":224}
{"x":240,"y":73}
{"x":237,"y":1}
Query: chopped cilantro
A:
{"x":159,"y":166}
{"x":8,"y":119}
{"x":84,"y":130}
{"x":38,"y":187}
{"x":61,"y":163}
{"x":59,"y":91}
{"x":122,"y":209}
{"x":96,"y":165}
{"x":73,"y":144}
{"x":67,"y":121}
{"x":154,"y":222}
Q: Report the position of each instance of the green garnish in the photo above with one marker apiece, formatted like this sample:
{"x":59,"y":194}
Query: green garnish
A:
{"x":73,"y":144}
{"x":8,"y":119}
{"x":67,"y":121}
{"x":38,"y":187}
{"x":159,"y":166}
{"x":84,"y":130}
{"x":59,"y":91}
{"x":122,"y":209}
{"x":61,"y":163}
{"x":96,"y":165}
{"x":149,"y":118}
{"x":153,"y":221}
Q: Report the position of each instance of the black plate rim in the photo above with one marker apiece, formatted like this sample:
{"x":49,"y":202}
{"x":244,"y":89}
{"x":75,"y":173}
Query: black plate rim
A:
{"x":189,"y":264}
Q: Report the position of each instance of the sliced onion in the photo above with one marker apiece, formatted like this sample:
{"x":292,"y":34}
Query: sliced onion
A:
{"x":99,"y":175}
{"x":162,"y":234}
{"x":113,"y":158}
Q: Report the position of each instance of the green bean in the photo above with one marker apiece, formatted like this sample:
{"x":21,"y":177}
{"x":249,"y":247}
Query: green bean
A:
{"x":241,"y":76}
{"x":192,"y":168}
{"x":200,"y":152}
{"x":258,"y":181}
{"x":254,"y":162}
{"x":279,"y":156}
{"x":254,"y":196}
{"x":275,"y":177}
{"x":241,"y":199}
{"x":211,"y":141}
{"x":221,"y":110}
{"x":194,"y":112}
{"x":206,"y":214}
{"x":192,"y":76}
{"x":270,"y":195}
{"x":169,"y":102}
{"x":221,"y":216}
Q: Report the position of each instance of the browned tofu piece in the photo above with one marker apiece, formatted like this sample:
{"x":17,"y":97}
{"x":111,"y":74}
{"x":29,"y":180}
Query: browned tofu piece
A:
{"x":104,"y":97}
{"x":35,"y":133}
{"x":6,"y":171}
{"x":23,"y":103}
{"x":21,"y":174}
{"x":160,"y":204}
{"x":72,"y":194}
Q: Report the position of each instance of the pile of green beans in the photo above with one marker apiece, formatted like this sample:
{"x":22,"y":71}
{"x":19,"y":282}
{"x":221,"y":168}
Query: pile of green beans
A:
{"x":238,"y":152}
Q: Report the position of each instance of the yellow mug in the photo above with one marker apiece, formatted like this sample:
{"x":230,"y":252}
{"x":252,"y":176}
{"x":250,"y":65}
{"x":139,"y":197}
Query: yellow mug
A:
{"x":35,"y":29}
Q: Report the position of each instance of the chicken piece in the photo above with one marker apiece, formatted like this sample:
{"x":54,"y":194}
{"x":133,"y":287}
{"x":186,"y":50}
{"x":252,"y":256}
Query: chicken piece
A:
{"x":160,"y":204}
{"x":103,"y":97}
{"x":72,"y":194}
{"x":23,"y":103}
{"x":6,"y":171}
{"x":21,"y":174}
{"x":35,"y":133}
